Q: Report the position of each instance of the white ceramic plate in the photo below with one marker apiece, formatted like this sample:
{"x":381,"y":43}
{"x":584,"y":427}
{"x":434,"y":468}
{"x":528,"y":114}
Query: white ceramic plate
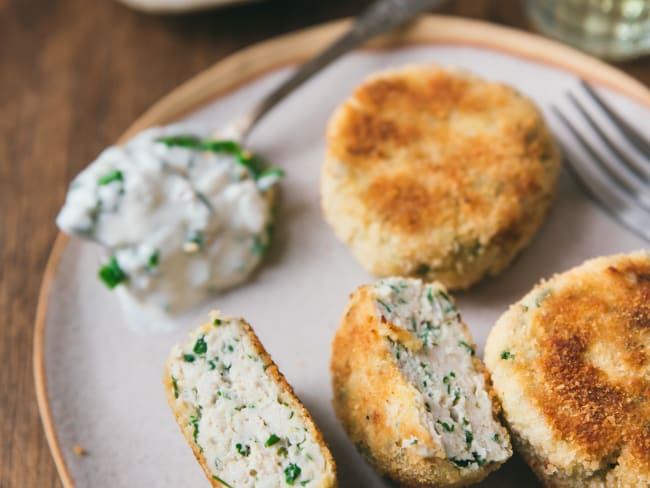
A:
{"x":99,"y":386}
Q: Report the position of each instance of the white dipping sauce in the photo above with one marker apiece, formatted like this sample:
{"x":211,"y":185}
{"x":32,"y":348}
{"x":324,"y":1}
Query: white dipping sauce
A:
{"x":178,"y":223}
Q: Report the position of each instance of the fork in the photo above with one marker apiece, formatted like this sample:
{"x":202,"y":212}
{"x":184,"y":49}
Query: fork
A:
{"x":616,"y":175}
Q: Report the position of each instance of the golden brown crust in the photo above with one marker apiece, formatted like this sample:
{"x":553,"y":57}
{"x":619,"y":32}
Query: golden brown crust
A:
{"x":288,"y":396}
{"x":581,"y":358}
{"x":377,"y":405}
{"x":433,"y":168}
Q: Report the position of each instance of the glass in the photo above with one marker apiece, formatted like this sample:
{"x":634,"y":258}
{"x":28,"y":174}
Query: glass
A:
{"x":610,"y":29}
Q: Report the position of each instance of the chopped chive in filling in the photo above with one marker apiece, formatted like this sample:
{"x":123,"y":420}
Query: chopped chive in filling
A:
{"x":111,"y":274}
{"x":216,"y":322}
{"x":507,"y":355}
{"x":188,"y":358}
{"x":273,"y":439}
{"x":244,"y":450}
{"x":446,"y":426}
{"x":469,"y":437}
{"x":221,"y":481}
{"x":115,"y":175}
{"x":469,"y":348}
{"x":153,"y":260}
{"x":194,"y":421}
{"x":291,"y":473}
{"x":385,"y":305}
{"x":175,"y":387}
{"x":200,"y":347}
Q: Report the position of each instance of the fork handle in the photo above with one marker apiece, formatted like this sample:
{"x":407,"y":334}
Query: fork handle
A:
{"x":380,"y":17}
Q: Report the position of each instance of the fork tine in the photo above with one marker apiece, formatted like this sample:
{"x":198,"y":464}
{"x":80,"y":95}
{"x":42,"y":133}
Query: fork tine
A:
{"x":630,"y":191}
{"x":625,"y":129}
{"x":609,"y":197}
{"x":628,"y":163}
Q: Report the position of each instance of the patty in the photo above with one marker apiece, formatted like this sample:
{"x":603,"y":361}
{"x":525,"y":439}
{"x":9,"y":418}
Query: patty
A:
{"x":437,"y":173}
{"x":571,"y":365}
{"x":409,"y":389}
{"x":239,"y":415}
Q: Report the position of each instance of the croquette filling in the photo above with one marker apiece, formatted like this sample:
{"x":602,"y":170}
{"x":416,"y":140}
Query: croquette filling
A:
{"x":247,"y":428}
{"x":435,"y":356}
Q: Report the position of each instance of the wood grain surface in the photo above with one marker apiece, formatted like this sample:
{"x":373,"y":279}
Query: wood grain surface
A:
{"x":73,"y":75}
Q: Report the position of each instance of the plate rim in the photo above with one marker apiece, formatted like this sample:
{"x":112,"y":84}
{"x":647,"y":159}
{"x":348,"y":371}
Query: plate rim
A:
{"x":255,"y":61}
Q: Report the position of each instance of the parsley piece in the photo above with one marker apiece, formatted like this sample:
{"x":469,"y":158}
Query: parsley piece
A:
{"x":507,"y":355}
{"x":115,"y":175}
{"x":291,"y":473}
{"x":188,"y":358}
{"x":111,"y":274}
{"x":201,"y":346}
{"x":213,"y":364}
{"x":273,"y":439}
{"x":243,"y":449}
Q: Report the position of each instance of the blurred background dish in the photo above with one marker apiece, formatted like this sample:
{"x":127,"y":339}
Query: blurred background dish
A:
{"x":178,"y":6}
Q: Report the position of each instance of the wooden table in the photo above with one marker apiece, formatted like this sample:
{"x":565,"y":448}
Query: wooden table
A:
{"x":74,"y":74}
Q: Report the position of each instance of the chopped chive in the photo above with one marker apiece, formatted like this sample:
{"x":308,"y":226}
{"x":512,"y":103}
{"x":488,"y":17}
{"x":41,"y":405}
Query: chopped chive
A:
{"x":282,"y":451}
{"x":291,"y":473}
{"x":201,"y":346}
{"x":304,"y":483}
{"x":465,"y":421}
{"x":188,"y":358}
{"x":469,"y":437}
{"x":430,"y":294}
{"x":273,"y":439}
{"x":111,"y":273}
{"x":244,"y":450}
{"x":213,"y":364}
{"x":449,"y":305}
{"x":495,"y":437}
{"x":383,"y":304}
{"x":153,"y":259}
{"x":469,"y":348}
{"x":221,"y":481}
{"x":175,"y":387}
{"x":216,"y":322}
{"x":115,"y":175}
{"x":507,"y":355}
{"x":194,"y":421}
{"x":427,"y":406}
{"x":446,"y":426}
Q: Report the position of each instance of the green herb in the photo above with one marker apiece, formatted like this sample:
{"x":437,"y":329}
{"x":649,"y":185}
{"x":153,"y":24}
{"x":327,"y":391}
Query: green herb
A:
{"x":303,"y":483}
{"x":469,"y":437}
{"x":195,"y":239}
{"x":175,"y":387}
{"x":427,"y":406}
{"x":213,"y":364}
{"x":414,"y":441}
{"x":448,"y":304}
{"x":201,"y":346}
{"x":507,"y":355}
{"x":496,"y":437}
{"x":383,"y":304}
{"x":243,"y":449}
{"x":430,"y":294}
{"x":273,"y":439}
{"x":216,"y":322}
{"x":259,"y":246}
{"x":153,"y":259}
{"x":456,"y":395}
{"x":221,"y":481}
{"x":291,"y":473}
{"x":469,"y":348}
{"x":115,"y":175}
{"x":446,"y":426}
{"x":111,"y":274}
{"x":194,"y":421}
{"x":282,"y":451}
{"x":188,"y":358}
{"x":465,"y":421}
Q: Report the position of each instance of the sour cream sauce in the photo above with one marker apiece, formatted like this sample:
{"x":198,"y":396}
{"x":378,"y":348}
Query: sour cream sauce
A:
{"x":177,"y":222}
